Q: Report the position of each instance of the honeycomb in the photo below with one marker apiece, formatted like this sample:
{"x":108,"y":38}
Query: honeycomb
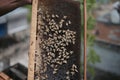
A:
{"x":58,"y":40}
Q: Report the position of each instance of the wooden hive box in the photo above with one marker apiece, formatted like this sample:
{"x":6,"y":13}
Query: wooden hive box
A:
{"x":55,"y":40}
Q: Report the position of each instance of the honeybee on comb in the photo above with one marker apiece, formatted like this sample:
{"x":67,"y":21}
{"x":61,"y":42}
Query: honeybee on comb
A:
{"x":58,"y":37}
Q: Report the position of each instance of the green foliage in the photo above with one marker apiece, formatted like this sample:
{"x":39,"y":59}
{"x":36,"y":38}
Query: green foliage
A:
{"x":91,"y":23}
{"x":92,"y":57}
{"x":30,"y":10}
{"x":92,"y":71}
{"x":90,"y":40}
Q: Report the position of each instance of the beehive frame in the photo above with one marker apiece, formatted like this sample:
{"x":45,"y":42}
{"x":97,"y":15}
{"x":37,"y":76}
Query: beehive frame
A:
{"x":48,"y":25}
{"x":32,"y":40}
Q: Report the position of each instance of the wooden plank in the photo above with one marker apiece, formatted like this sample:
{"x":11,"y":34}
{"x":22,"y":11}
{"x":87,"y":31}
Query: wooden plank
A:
{"x":4,"y":77}
{"x":32,"y":40}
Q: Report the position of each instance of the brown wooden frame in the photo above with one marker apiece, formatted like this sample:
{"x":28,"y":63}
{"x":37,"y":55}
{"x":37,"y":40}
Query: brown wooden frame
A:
{"x":32,"y":40}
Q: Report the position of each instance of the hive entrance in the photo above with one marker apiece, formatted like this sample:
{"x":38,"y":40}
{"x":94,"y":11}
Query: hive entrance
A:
{"x":57,"y":54}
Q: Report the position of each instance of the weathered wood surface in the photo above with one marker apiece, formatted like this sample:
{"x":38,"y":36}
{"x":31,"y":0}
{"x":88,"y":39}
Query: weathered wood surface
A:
{"x":32,"y":40}
{"x":57,"y":46}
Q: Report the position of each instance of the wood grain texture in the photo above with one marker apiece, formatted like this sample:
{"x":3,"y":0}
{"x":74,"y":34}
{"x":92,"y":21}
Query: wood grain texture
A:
{"x":32,"y":40}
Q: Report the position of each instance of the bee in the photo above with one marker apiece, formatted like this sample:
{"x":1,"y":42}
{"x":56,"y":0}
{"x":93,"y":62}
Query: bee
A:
{"x":65,"y":17}
{"x":57,"y":16}
{"x":53,"y":15}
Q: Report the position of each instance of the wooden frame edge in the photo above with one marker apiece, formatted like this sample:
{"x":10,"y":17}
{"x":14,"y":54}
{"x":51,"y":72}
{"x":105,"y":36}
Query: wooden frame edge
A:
{"x":32,"y":40}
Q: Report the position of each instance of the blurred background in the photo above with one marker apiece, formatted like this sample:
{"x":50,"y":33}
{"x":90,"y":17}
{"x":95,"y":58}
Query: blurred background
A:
{"x":14,"y":43}
{"x":103,"y":41}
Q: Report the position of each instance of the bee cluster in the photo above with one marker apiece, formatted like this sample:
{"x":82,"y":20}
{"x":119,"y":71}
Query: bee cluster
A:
{"x":57,"y":54}
{"x":53,"y":37}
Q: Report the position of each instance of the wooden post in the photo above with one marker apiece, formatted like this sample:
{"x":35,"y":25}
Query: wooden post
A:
{"x":55,"y":50}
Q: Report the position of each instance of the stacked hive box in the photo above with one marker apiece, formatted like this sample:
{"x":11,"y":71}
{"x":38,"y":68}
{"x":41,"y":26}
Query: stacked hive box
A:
{"x":57,"y":54}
